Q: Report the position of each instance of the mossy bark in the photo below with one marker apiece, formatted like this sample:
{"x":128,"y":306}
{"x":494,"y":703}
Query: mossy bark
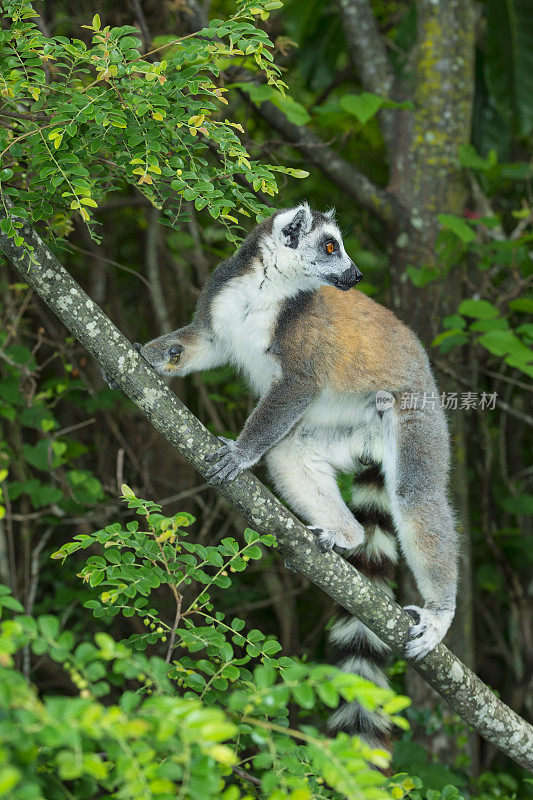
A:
{"x":470,"y":698}
{"x":426,"y":178}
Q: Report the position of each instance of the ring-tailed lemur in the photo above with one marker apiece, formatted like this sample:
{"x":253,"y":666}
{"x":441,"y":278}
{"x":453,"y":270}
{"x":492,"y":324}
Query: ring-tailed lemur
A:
{"x":317,"y":353}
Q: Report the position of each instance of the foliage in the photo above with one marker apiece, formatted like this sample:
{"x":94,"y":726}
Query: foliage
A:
{"x":38,"y":457}
{"x":209,"y":720}
{"x":498,"y":324}
{"x":101,"y":117}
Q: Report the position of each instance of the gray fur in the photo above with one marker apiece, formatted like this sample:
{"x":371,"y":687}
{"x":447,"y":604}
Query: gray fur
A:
{"x":272,"y":419}
{"x":246,"y":314}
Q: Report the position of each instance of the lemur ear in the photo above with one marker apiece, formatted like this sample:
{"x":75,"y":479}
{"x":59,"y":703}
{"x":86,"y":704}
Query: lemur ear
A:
{"x":292,"y":224}
{"x":330,"y":214}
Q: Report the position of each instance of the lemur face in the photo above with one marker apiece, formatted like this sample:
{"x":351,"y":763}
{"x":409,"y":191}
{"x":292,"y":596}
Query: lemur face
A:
{"x":309,"y":250}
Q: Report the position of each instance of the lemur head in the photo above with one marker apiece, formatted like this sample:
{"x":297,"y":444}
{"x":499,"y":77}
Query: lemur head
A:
{"x":305,"y":248}
{"x":173,"y":354}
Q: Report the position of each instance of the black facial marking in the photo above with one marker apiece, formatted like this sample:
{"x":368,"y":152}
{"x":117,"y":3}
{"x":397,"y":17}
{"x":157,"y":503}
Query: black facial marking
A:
{"x":325,"y":240}
{"x":293,"y":230}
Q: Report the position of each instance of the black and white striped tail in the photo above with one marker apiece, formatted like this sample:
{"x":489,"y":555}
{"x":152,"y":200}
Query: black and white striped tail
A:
{"x":354,"y":647}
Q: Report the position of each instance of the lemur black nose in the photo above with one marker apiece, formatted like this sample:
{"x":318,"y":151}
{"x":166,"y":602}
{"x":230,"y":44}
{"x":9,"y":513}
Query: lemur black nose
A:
{"x":358,"y":275}
{"x":350,"y":277}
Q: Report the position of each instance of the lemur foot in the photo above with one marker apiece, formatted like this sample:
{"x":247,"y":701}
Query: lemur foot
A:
{"x":228,"y":462}
{"x":327,"y":539}
{"x":430,"y":629}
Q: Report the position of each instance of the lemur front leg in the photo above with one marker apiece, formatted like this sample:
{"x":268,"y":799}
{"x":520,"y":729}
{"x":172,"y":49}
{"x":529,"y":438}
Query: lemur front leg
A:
{"x":424,"y":521}
{"x":272,"y":419}
{"x":304,"y":479}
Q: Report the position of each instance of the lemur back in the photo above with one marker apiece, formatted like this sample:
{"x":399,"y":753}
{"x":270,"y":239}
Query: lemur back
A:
{"x":319,"y":356}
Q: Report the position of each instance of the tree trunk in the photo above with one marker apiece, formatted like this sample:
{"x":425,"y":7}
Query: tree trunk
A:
{"x":426,"y":181}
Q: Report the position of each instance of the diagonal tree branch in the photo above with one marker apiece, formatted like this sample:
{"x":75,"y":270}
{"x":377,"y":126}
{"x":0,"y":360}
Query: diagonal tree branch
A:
{"x":465,"y":692}
{"x":354,"y":183}
{"x":369,"y":56}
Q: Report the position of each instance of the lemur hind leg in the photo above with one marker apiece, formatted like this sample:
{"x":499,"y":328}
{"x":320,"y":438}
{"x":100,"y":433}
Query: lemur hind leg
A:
{"x":416,"y":471}
{"x":307,"y":482}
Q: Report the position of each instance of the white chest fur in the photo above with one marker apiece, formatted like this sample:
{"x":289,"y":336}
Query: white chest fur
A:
{"x":243,"y":317}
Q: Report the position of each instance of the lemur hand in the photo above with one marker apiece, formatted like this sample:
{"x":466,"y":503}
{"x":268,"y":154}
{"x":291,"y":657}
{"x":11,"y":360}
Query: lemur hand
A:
{"x":229,"y":461}
{"x":430,"y":629}
{"x":340,"y":541}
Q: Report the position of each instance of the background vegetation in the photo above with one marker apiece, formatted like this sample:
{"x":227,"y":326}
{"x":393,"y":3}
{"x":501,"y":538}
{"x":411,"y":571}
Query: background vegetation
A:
{"x":143,"y":171}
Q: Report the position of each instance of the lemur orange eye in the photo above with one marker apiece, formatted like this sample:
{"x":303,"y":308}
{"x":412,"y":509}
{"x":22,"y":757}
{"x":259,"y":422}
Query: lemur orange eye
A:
{"x":330,"y":247}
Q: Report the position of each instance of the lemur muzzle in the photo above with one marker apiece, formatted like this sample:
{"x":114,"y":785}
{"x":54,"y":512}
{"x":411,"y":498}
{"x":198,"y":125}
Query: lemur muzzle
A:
{"x":350,"y":277}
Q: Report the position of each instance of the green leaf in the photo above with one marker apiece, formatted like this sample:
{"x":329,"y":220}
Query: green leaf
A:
{"x":454,"y":321}
{"x":9,"y":777}
{"x":270,"y":647}
{"x":523,"y":504}
{"x":363,"y":106}
{"x":44,"y":495}
{"x":468,"y":157}
{"x":502,"y":342}
{"x":328,"y":694}
{"x":484,"y":325}
{"x":11,"y":603}
{"x":458,"y":226}
{"x":449,"y":792}
{"x":6,"y":226}
{"x":45,"y":455}
{"x":420,"y":277}
{"x":447,"y":340}
{"x":479,"y":309}
{"x":304,"y":695}
{"x":48,"y":626}
{"x":96,"y":577}
{"x":296,"y":173}
{"x":295,"y":112}
{"x":526,"y":332}
{"x":524,"y":304}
